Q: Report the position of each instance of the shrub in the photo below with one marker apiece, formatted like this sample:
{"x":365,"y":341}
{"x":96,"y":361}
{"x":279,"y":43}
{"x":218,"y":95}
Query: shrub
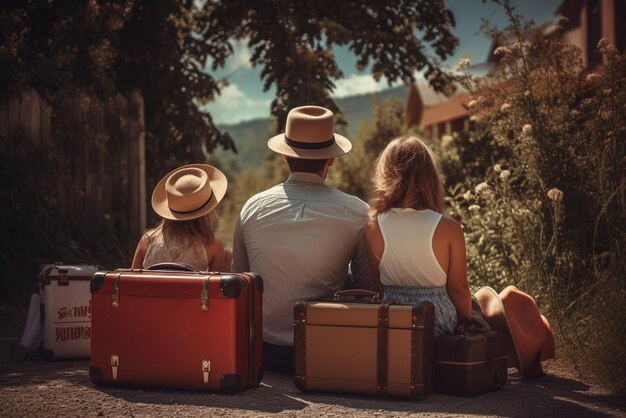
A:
{"x":549,"y":214}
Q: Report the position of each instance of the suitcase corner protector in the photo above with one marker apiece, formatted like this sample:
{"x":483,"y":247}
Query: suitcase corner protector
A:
{"x":230,"y":384}
{"x":231,"y":285}
{"x":96,"y":376}
{"x":97,"y":281}
{"x":48,"y":354}
{"x":300,"y":382}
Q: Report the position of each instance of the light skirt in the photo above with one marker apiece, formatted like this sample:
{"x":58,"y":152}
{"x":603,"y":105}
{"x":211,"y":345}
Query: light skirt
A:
{"x":445,"y":313}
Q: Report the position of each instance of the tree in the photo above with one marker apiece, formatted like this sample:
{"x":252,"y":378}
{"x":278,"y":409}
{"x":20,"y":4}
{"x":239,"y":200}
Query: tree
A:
{"x":352,"y":172}
{"x":161,"y":48}
{"x":293,"y":42}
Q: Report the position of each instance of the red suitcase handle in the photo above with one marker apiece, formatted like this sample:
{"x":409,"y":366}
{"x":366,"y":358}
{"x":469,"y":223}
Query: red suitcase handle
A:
{"x":171,"y":267}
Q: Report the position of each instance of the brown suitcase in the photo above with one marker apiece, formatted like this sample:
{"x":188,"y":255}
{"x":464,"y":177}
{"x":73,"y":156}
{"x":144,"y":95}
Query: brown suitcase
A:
{"x":472,"y":361}
{"x":364,"y":346}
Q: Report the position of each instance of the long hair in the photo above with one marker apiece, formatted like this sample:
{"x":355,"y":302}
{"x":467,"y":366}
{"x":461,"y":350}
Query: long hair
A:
{"x":405,"y":176}
{"x":200,"y":230}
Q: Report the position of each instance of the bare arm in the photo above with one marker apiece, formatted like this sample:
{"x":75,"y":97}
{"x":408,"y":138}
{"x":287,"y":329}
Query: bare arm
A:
{"x":240,"y":254}
{"x":215,"y":255}
{"x":361,"y":269}
{"x":458,"y":288}
{"x":140,"y":252}
{"x":375,"y":247}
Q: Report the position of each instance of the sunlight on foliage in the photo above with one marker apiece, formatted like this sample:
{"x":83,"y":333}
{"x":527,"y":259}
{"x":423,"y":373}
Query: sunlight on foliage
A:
{"x":539,"y":185}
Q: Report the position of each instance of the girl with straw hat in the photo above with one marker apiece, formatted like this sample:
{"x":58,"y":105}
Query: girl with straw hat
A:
{"x":185,"y":199}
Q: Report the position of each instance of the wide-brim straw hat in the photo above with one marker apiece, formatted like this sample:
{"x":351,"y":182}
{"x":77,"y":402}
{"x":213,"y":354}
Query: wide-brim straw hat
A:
{"x":189,"y":192}
{"x":530,"y":336}
{"x":309,"y":134}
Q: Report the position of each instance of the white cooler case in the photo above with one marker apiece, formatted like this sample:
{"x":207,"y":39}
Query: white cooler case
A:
{"x":66,"y":310}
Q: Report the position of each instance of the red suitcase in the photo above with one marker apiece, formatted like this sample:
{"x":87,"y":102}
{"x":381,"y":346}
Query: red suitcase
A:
{"x":177,"y":329}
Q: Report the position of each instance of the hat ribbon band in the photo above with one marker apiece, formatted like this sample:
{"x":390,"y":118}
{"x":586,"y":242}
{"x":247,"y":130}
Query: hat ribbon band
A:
{"x":309,"y":145}
{"x":196,"y":209}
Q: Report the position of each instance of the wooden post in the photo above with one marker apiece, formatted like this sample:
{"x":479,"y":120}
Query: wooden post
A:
{"x":141,"y":147}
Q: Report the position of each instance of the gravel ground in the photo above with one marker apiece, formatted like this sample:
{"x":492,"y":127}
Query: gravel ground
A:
{"x":38,"y":388}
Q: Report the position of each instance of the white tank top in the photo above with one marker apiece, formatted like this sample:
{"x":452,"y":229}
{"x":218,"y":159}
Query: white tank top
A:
{"x":408,"y":258}
{"x":160,"y":251}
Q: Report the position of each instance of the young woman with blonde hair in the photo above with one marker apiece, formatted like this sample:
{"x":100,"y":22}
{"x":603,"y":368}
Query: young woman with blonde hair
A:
{"x":417,"y":253}
{"x":185,"y":199}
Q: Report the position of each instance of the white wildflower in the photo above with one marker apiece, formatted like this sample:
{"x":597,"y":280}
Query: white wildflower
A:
{"x":484,"y":191}
{"x":473,"y":118}
{"x":462,"y":64}
{"x":555,"y":195}
{"x":497,"y":168}
{"x":467,"y":195}
{"x":446,"y":140}
{"x":592,"y":77}
{"x":527,"y":93}
{"x":527,"y":129}
{"x":480,"y":188}
{"x":501,"y":50}
{"x":563,"y":21}
{"x":474,"y":208}
{"x":505,"y":107}
{"x":472,"y":104}
{"x":505,"y":174}
{"x":520,"y":45}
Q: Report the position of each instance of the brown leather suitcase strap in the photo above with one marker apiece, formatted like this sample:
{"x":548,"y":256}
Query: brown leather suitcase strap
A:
{"x":300,"y":344}
{"x":415,"y":314}
{"x":382,"y":357}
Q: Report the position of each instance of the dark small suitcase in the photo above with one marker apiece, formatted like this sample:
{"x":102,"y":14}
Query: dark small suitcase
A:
{"x":364,"y":346}
{"x":177,"y":329}
{"x":472,"y":361}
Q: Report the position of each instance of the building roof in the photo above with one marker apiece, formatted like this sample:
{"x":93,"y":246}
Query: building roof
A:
{"x":454,"y":108}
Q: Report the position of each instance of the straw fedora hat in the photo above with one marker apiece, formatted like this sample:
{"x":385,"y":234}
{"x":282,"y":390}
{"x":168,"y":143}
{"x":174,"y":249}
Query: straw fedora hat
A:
{"x":189,"y":192}
{"x":309,"y":135}
{"x":530,"y":335}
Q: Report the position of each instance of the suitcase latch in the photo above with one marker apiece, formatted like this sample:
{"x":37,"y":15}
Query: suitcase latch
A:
{"x":63,"y":280}
{"x":115,"y":362}
{"x":206,"y":370}
{"x":204,"y":297}
{"x":115,"y":294}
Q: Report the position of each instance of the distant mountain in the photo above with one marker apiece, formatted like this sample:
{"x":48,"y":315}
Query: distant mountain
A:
{"x":251,"y":136}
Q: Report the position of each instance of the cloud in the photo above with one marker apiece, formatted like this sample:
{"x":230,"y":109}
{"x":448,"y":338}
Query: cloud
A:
{"x":360,"y":84}
{"x":240,"y":59}
{"x":234,"y":106}
{"x":241,"y":56}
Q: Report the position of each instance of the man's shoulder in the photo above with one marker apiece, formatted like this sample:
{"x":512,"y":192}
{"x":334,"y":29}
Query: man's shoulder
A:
{"x":327,"y":194}
{"x":350,"y":201}
{"x":261,"y":197}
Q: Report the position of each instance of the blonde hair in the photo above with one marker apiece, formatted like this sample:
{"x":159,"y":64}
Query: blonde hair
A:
{"x":200,"y":230}
{"x":405,"y":176}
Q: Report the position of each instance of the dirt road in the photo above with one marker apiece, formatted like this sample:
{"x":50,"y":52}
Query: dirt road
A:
{"x":37,"y":388}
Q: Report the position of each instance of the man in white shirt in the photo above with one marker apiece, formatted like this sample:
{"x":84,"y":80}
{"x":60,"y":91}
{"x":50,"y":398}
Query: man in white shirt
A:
{"x":301,"y":235}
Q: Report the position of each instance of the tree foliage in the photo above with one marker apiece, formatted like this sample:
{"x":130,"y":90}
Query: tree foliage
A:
{"x":293,"y":42}
{"x":161,"y":48}
{"x":352,"y":173}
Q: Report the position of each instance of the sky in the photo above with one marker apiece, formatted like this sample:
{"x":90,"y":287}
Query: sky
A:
{"x":244,"y":99}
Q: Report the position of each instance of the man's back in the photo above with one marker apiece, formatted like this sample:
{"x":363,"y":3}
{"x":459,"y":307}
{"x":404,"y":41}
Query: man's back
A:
{"x":300,"y":236}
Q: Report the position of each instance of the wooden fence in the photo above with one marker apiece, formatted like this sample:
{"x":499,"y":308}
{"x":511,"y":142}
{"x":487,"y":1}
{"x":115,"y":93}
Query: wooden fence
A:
{"x":100,"y":151}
